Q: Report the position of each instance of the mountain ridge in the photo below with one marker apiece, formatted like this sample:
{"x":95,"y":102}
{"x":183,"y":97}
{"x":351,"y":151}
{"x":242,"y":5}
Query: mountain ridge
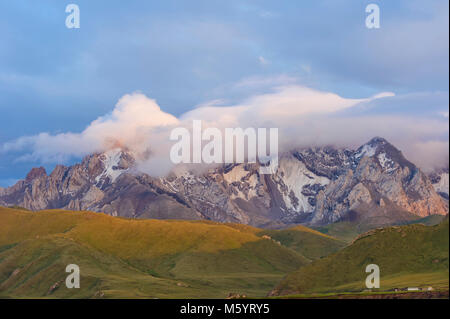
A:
{"x":314,"y":186}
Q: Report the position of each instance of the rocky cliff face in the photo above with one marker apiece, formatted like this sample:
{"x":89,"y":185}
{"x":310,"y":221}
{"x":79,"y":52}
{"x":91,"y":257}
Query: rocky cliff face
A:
{"x":381,"y":184}
{"x":314,"y":186}
{"x":440,"y":180}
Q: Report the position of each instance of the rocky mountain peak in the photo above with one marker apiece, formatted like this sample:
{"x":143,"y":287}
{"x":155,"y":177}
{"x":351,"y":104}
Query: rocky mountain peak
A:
{"x":371,"y":148}
{"x":107,"y":166}
{"x":377,"y":140}
{"x":387,"y":155}
{"x":326,"y":161}
{"x":35,"y":172}
{"x":316,"y":185}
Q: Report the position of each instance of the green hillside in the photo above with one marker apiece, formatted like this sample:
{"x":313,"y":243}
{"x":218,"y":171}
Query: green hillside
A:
{"x":141,"y":258}
{"x":347,"y":231}
{"x":408,"y":256}
{"x":306,"y":241}
{"x":429,"y":220}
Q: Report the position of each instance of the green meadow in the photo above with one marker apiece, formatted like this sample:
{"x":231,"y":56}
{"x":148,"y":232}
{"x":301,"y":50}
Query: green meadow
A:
{"x":128,"y":258}
{"x":408,"y":256}
{"x":125,"y":258}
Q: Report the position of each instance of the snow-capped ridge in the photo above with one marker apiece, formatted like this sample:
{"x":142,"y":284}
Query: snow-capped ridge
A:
{"x":316,"y":185}
{"x":115,"y":162}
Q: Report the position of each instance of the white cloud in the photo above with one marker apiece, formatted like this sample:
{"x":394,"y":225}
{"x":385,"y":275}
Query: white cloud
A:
{"x":285,"y":104}
{"x":304,"y":116}
{"x":132,"y":123}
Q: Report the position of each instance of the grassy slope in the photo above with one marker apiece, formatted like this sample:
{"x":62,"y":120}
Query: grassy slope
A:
{"x":429,"y":220}
{"x":306,"y":241}
{"x":139,"y":258}
{"x":347,"y":231}
{"x":413,"y":255}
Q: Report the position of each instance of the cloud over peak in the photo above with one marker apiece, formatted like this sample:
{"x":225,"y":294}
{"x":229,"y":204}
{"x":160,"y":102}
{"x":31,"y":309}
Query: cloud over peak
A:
{"x":304,"y":116}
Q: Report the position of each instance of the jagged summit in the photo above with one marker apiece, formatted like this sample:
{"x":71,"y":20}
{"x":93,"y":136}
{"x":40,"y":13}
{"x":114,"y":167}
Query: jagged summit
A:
{"x":317,"y":186}
{"x":373,"y":147}
{"x":377,"y":140}
{"x":35,"y":172}
{"x":114,"y":162}
{"x":389,"y":157}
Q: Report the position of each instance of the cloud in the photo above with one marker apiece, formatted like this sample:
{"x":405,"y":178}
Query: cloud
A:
{"x":307,"y":117}
{"x":284,"y":106}
{"x":130,"y":125}
{"x":304,"y":116}
{"x":436,"y":154}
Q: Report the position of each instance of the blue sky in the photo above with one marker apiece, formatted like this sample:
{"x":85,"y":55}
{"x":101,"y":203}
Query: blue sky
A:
{"x":185,"y":53}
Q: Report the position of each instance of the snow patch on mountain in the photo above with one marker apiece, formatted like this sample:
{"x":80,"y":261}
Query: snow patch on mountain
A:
{"x":366,"y":150}
{"x":387,"y":163}
{"x":292,"y":177}
{"x":111,"y":167}
{"x":443,"y":185}
{"x":242,"y":182}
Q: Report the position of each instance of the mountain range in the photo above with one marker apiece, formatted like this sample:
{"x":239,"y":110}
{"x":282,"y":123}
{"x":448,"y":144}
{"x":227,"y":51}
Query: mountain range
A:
{"x":373,"y":184}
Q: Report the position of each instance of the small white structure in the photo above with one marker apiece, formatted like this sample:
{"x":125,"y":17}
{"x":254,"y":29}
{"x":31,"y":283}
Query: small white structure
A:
{"x":413,"y":289}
